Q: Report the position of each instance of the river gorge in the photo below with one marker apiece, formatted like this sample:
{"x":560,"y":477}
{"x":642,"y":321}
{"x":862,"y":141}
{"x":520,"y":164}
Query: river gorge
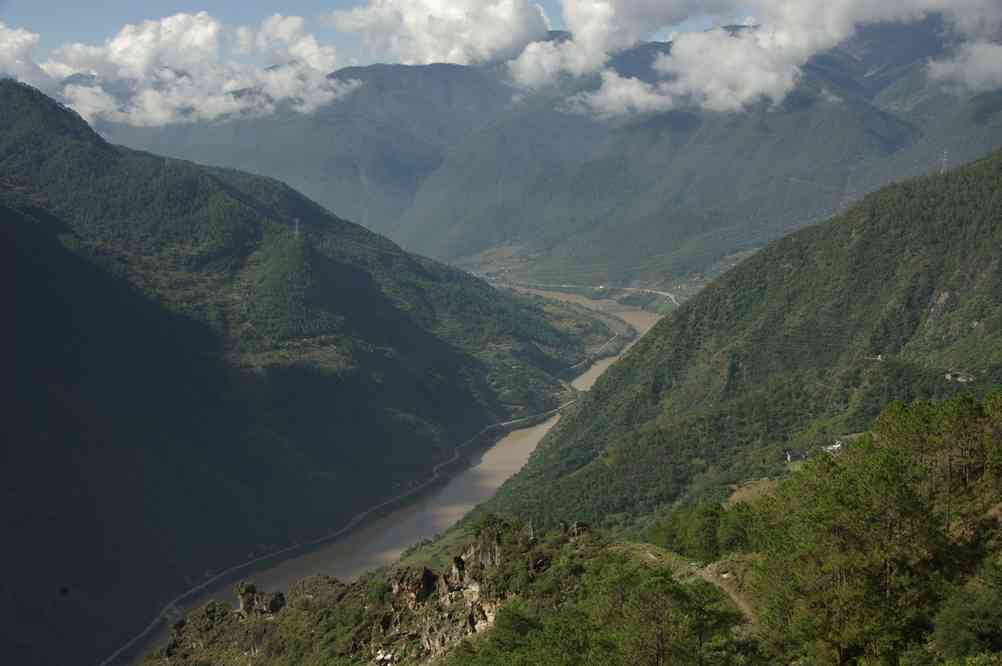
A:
{"x":381,"y":541}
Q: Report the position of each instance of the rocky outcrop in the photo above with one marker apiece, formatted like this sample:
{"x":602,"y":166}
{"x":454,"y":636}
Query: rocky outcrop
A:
{"x":414,"y":587}
{"x":252,"y":602}
{"x":433,"y":613}
{"x":406,"y":616}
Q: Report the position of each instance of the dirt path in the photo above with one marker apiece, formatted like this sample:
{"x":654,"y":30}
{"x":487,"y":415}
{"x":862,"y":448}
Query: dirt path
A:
{"x":728,"y":586}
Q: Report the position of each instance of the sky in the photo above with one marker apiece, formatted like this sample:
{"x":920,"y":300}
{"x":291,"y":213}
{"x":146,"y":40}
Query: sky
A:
{"x":56,"y":24}
{"x":159,"y":62}
{"x":58,"y":21}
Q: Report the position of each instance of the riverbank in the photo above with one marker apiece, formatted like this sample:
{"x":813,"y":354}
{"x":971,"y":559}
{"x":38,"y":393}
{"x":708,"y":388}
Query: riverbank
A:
{"x":379,"y":535}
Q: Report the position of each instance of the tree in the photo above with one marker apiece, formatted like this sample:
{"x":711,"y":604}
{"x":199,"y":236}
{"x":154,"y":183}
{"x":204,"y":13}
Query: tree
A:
{"x":660,"y":631}
{"x":970,"y":622}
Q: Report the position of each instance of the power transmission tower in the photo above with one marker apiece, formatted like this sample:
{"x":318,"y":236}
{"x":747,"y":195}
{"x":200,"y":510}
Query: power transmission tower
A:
{"x":944,"y":165}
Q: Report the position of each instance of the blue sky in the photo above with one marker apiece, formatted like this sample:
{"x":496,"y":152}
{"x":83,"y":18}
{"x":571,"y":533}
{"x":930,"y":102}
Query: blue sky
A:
{"x":59,"y":22}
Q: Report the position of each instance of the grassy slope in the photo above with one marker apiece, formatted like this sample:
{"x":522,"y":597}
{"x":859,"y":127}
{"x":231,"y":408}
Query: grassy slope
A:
{"x":779,"y":354}
{"x":195,"y":374}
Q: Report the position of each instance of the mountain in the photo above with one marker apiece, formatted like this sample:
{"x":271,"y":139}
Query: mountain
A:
{"x":899,"y":298}
{"x":468,"y":166}
{"x":661,"y":197}
{"x":745,"y":487}
{"x":365,"y":157}
{"x":209,"y":365}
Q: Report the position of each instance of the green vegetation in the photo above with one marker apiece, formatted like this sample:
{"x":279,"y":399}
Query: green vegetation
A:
{"x":887,"y":553}
{"x":610,"y":608}
{"x":564,"y":597}
{"x":209,"y":366}
{"x":882,"y":547}
{"x":893,"y":547}
{"x":799,"y":346}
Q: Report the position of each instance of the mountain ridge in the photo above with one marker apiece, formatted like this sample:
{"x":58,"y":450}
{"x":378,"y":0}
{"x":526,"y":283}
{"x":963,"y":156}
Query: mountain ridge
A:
{"x":570,"y":199}
{"x":300,"y":369}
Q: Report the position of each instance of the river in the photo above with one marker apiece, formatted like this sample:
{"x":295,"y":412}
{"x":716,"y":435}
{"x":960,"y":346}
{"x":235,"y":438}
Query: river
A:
{"x":383,"y":540}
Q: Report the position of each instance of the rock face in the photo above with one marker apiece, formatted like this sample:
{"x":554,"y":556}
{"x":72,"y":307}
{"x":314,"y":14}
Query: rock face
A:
{"x":433,"y":613}
{"x":401,"y":617}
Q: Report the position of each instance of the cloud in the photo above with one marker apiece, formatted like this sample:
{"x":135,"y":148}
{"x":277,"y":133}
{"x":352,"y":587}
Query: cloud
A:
{"x":17,"y":56}
{"x":191,"y":67}
{"x":715,"y":70}
{"x":454,"y":31}
{"x":601,"y":28}
{"x":720,"y":71}
{"x":620,"y":95}
{"x":284,"y":38}
{"x":977,"y":66}
{"x":723,"y":72}
{"x":183,"y":68}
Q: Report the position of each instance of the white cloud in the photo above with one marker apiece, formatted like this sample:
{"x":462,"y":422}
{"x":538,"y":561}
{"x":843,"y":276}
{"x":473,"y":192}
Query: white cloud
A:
{"x":977,"y":66}
{"x":721,"y":72}
{"x":601,"y":28}
{"x":619,"y":96}
{"x":17,"y":58}
{"x":454,"y":31}
{"x":191,"y":67}
{"x":542,"y":62}
{"x":714,"y":70}
{"x":285,"y":38}
{"x":184,"y":68}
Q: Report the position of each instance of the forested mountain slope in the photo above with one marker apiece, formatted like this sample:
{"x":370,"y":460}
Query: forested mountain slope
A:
{"x":898,"y":298}
{"x":452,"y":161}
{"x":207,"y":364}
{"x":886,"y":554}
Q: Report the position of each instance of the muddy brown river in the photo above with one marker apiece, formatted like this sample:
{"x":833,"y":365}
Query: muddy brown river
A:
{"x":382,"y":541}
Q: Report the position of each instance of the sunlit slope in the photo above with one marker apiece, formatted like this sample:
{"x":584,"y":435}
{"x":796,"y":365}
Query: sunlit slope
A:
{"x":800,"y":344}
